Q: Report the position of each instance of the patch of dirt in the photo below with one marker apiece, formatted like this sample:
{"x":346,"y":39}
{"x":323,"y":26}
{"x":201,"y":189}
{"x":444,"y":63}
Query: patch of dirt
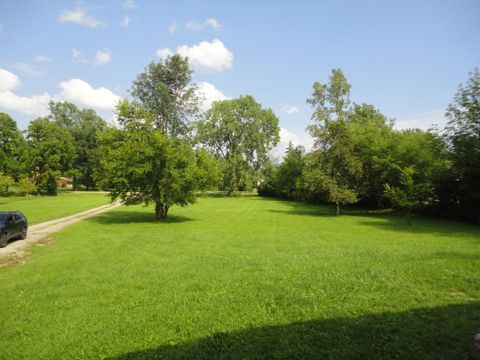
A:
{"x":19,"y":258}
{"x":46,"y":241}
{"x":462,"y":295}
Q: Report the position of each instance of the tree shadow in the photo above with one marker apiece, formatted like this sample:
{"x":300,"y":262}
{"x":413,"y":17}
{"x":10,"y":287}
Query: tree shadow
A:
{"x":138,"y":217}
{"x":422,"y":225}
{"x":223,"y":194}
{"x":385,"y":219}
{"x":431,"y":333}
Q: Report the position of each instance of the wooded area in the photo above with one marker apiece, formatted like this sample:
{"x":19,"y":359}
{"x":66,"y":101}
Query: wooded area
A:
{"x":162,"y":150}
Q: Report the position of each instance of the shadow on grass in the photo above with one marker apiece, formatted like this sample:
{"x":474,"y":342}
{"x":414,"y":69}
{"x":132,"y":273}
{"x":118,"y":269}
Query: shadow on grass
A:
{"x":382,"y":219}
{"x":436,"y":333}
{"x":222,"y":194}
{"x":422,"y":225}
{"x":129,"y":217}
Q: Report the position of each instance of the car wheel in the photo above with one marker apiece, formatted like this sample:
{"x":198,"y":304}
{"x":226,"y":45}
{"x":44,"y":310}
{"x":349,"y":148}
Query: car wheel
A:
{"x":24,"y":234}
{"x":3,"y":240}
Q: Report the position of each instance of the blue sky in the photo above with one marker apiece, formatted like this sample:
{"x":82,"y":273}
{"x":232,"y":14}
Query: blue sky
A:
{"x":405,"y":57}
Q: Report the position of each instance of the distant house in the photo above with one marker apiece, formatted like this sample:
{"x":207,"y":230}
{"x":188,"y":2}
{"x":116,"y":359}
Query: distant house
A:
{"x":64,"y":182}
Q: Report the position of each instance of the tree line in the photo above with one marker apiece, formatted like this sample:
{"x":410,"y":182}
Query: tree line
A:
{"x":359,"y":158}
{"x":162,"y":150}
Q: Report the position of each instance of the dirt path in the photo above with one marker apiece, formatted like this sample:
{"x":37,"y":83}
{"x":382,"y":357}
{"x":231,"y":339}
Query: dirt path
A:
{"x":39,"y":231}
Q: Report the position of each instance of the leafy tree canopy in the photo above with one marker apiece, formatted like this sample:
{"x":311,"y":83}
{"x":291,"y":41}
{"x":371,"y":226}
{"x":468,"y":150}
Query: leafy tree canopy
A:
{"x":242,"y":133}
{"x":164,"y":89}
{"x":142,"y":165}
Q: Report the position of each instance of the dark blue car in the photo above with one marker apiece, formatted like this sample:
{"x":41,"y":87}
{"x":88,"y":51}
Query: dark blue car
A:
{"x":13,"y":225}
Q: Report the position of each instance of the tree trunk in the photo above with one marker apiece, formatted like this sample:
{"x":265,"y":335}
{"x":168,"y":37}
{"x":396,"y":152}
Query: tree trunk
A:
{"x":337,"y":209}
{"x":161,"y":211}
{"x":409,"y":215}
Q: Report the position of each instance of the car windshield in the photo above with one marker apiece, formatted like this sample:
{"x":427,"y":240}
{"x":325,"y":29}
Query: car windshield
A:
{"x":3,"y":217}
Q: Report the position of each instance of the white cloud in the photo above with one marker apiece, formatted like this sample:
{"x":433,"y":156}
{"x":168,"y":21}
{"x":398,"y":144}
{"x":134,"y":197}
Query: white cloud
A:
{"x":8,"y":80}
{"x":286,"y":137}
{"x":36,"y":105}
{"x":213,"y":23}
{"x":163,"y":53}
{"x":424,"y":121}
{"x":172,"y":28}
{"x":129,"y":4}
{"x":125,"y":21}
{"x":26,"y":68}
{"x":102,"y":57}
{"x":41,"y":58}
{"x":210,"y":56}
{"x":79,"y":17}
{"x":290,"y":110}
{"x":210,"y":94}
{"x":76,"y":54}
{"x":76,"y":91}
{"x":83,"y":94}
{"x":198,"y":26}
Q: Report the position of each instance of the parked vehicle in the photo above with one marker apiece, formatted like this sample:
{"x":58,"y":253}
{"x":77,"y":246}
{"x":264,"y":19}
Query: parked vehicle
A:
{"x":13,"y":224}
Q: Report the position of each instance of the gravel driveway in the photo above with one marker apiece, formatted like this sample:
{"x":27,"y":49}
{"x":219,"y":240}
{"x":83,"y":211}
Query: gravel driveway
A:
{"x":39,"y":231}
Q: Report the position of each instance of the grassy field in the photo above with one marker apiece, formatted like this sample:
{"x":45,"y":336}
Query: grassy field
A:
{"x":38,"y":209}
{"x":246,"y":278}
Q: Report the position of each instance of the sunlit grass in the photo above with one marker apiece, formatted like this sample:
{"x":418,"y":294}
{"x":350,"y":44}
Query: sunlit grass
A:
{"x":38,"y":209}
{"x":246,"y":277}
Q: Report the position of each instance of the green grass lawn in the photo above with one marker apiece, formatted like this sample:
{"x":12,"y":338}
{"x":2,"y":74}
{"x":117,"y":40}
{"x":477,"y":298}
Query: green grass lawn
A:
{"x":38,"y":209}
{"x":246,"y":278}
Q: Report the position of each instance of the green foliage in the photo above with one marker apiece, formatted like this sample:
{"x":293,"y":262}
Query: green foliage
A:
{"x":5,"y":182}
{"x":143,"y":166}
{"x":240,"y":132}
{"x":209,"y":171}
{"x":12,"y":148}
{"x":84,"y":126}
{"x":356,"y":152}
{"x":463,"y":136}
{"x":285,"y":180}
{"x":372,"y":137}
{"x":26,"y":186}
{"x":290,"y":172}
{"x":336,"y":167}
{"x":50,"y":153}
{"x":164,"y":90}
{"x":408,"y":194}
{"x":330,"y":101}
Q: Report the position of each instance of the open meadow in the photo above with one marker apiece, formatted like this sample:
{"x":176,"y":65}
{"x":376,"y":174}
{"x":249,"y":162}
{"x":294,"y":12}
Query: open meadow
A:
{"x":245,"y":277}
{"x":38,"y":208}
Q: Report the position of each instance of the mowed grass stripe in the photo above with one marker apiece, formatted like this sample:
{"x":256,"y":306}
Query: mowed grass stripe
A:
{"x":245,"y":277}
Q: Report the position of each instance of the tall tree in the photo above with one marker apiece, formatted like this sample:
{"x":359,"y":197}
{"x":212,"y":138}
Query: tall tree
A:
{"x":463,"y":135}
{"x":337,"y":166}
{"x":84,"y":126}
{"x":240,"y":132}
{"x":164,"y":89}
{"x":416,"y":159}
{"x":50,"y":151}
{"x":289,"y":173}
{"x":372,"y":137}
{"x":209,"y":169}
{"x":142,"y":165}
{"x":12,"y":148}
